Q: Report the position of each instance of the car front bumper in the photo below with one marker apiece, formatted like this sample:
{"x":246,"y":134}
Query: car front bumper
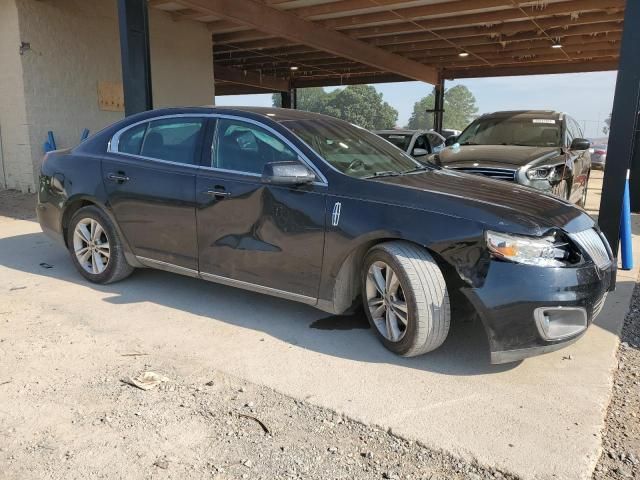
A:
{"x":511,"y":294}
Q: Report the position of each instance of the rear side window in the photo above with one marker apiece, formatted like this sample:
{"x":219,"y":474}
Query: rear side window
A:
{"x":131,"y":140}
{"x":173,"y":139}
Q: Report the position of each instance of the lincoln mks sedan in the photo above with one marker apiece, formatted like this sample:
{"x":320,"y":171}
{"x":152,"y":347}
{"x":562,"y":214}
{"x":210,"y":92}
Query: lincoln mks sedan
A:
{"x":319,"y":211}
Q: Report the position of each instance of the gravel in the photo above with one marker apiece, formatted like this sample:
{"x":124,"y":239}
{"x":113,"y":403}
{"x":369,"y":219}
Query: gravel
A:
{"x":203,"y":429}
{"x":620,"y":457}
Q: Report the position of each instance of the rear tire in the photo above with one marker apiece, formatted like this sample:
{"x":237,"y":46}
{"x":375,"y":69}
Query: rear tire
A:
{"x":405,"y":298}
{"x":95,"y":247}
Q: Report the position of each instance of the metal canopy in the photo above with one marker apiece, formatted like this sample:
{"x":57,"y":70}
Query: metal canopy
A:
{"x":256,"y":43}
{"x":279,"y":45}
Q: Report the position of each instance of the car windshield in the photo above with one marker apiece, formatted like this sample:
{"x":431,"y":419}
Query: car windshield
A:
{"x":400,"y":140}
{"x":352,"y":150}
{"x":523,"y":131}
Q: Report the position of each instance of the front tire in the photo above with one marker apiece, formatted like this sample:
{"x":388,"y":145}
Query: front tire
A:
{"x":405,"y":298}
{"x":95,"y":247}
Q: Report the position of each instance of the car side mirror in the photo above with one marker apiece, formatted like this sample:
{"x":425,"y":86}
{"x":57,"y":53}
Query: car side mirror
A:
{"x":451,"y":140}
{"x":419,"y":152}
{"x":580,"y":144}
{"x":287,"y":173}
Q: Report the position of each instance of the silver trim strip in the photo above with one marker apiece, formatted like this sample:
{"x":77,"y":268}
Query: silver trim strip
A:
{"x":169,"y":267}
{"x":232,"y":282}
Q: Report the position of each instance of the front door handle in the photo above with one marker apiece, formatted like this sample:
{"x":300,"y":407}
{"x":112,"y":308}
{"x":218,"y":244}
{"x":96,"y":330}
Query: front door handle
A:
{"x":220,"y":194}
{"x":117,"y":177}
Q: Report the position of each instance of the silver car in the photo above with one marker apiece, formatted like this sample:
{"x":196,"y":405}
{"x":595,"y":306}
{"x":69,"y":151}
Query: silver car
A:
{"x":599,"y":156}
{"x":417,"y":143}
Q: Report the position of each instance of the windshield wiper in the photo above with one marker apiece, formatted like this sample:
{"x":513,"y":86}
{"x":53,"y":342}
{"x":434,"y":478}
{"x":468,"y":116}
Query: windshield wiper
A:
{"x":420,"y":169}
{"x":469,"y":143}
{"x":383,"y":173}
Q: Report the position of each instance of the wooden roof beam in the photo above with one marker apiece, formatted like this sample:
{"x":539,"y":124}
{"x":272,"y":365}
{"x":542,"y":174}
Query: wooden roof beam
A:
{"x":286,"y":25}
{"x":573,"y":67}
{"x":426,"y":11}
{"x":251,"y":79}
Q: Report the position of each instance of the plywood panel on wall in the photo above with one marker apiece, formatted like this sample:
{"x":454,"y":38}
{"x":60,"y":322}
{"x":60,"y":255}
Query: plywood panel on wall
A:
{"x":111,"y":96}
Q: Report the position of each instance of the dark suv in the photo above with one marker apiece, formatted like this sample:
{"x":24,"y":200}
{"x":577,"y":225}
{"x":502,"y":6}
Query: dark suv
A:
{"x":316,"y":210}
{"x":540,"y":149}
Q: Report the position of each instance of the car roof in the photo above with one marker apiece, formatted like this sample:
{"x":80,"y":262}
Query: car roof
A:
{"x":401,"y":131}
{"x":276,"y":114}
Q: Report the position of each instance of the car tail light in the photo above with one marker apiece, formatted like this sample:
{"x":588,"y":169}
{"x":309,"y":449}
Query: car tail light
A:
{"x":600,"y":152}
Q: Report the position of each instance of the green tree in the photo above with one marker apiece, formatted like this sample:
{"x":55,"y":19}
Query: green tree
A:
{"x":364,"y":106}
{"x":607,"y":125}
{"x":459,"y":109}
{"x":312,"y":99}
{"x":420,"y":119}
{"x":358,"y":104}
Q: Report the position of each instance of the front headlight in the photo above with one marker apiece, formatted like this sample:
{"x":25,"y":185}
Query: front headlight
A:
{"x":542,"y":173}
{"x":548,"y":251}
{"x":538,"y":173}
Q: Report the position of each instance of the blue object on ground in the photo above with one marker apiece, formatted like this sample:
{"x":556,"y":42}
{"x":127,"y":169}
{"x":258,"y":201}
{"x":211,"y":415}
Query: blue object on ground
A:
{"x":52,"y":140}
{"x":625,"y":230}
{"x":85,"y":134}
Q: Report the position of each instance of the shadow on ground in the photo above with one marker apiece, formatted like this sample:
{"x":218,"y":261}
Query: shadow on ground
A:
{"x":466,"y":351}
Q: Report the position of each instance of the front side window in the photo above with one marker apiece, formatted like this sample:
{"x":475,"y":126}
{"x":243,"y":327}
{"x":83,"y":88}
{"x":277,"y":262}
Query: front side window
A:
{"x":522,"y":131}
{"x":245,"y":147}
{"x":422,"y":142}
{"x":352,"y":150}
{"x":400,"y":140}
{"x":437,"y":144}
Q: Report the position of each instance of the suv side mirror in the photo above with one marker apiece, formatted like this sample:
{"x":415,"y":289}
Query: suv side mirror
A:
{"x":451,"y":140}
{"x":580,"y":144}
{"x":419,"y":152}
{"x":287,"y":173}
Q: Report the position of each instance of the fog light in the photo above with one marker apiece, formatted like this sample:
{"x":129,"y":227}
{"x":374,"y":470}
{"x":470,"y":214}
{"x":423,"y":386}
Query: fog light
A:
{"x":556,"y":323}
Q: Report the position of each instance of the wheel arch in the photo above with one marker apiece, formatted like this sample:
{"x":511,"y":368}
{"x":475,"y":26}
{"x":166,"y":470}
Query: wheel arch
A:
{"x":346,"y":287}
{"x":75,"y":203}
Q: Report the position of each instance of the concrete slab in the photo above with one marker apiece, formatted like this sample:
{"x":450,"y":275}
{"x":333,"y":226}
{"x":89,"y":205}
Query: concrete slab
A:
{"x":540,"y":418}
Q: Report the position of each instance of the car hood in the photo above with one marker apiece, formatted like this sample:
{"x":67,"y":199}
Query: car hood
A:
{"x":494,"y":155}
{"x":497,"y":204}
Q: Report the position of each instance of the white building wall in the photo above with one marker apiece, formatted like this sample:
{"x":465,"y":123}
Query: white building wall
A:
{"x":74,"y":44}
{"x":15,"y":148}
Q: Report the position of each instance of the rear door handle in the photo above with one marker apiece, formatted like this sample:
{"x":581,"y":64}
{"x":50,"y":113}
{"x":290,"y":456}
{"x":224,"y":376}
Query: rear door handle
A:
{"x":117,"y":177}
{"x":218,"y":193}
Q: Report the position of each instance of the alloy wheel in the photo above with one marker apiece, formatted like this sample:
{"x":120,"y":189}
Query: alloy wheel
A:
{"x":91,"y":246}
{"x":386,"y":301}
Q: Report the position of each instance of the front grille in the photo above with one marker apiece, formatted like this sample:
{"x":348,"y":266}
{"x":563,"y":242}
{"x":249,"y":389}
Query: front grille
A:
{"x":592,"y":243}
{"x":497,"y":173}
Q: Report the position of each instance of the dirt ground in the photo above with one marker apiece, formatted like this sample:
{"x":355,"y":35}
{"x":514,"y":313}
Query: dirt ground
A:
{"x":65,"y":411}
{"x":621,"y":439}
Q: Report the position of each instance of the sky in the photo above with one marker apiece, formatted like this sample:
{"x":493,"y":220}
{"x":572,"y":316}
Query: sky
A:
{"x":587,"y":97}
